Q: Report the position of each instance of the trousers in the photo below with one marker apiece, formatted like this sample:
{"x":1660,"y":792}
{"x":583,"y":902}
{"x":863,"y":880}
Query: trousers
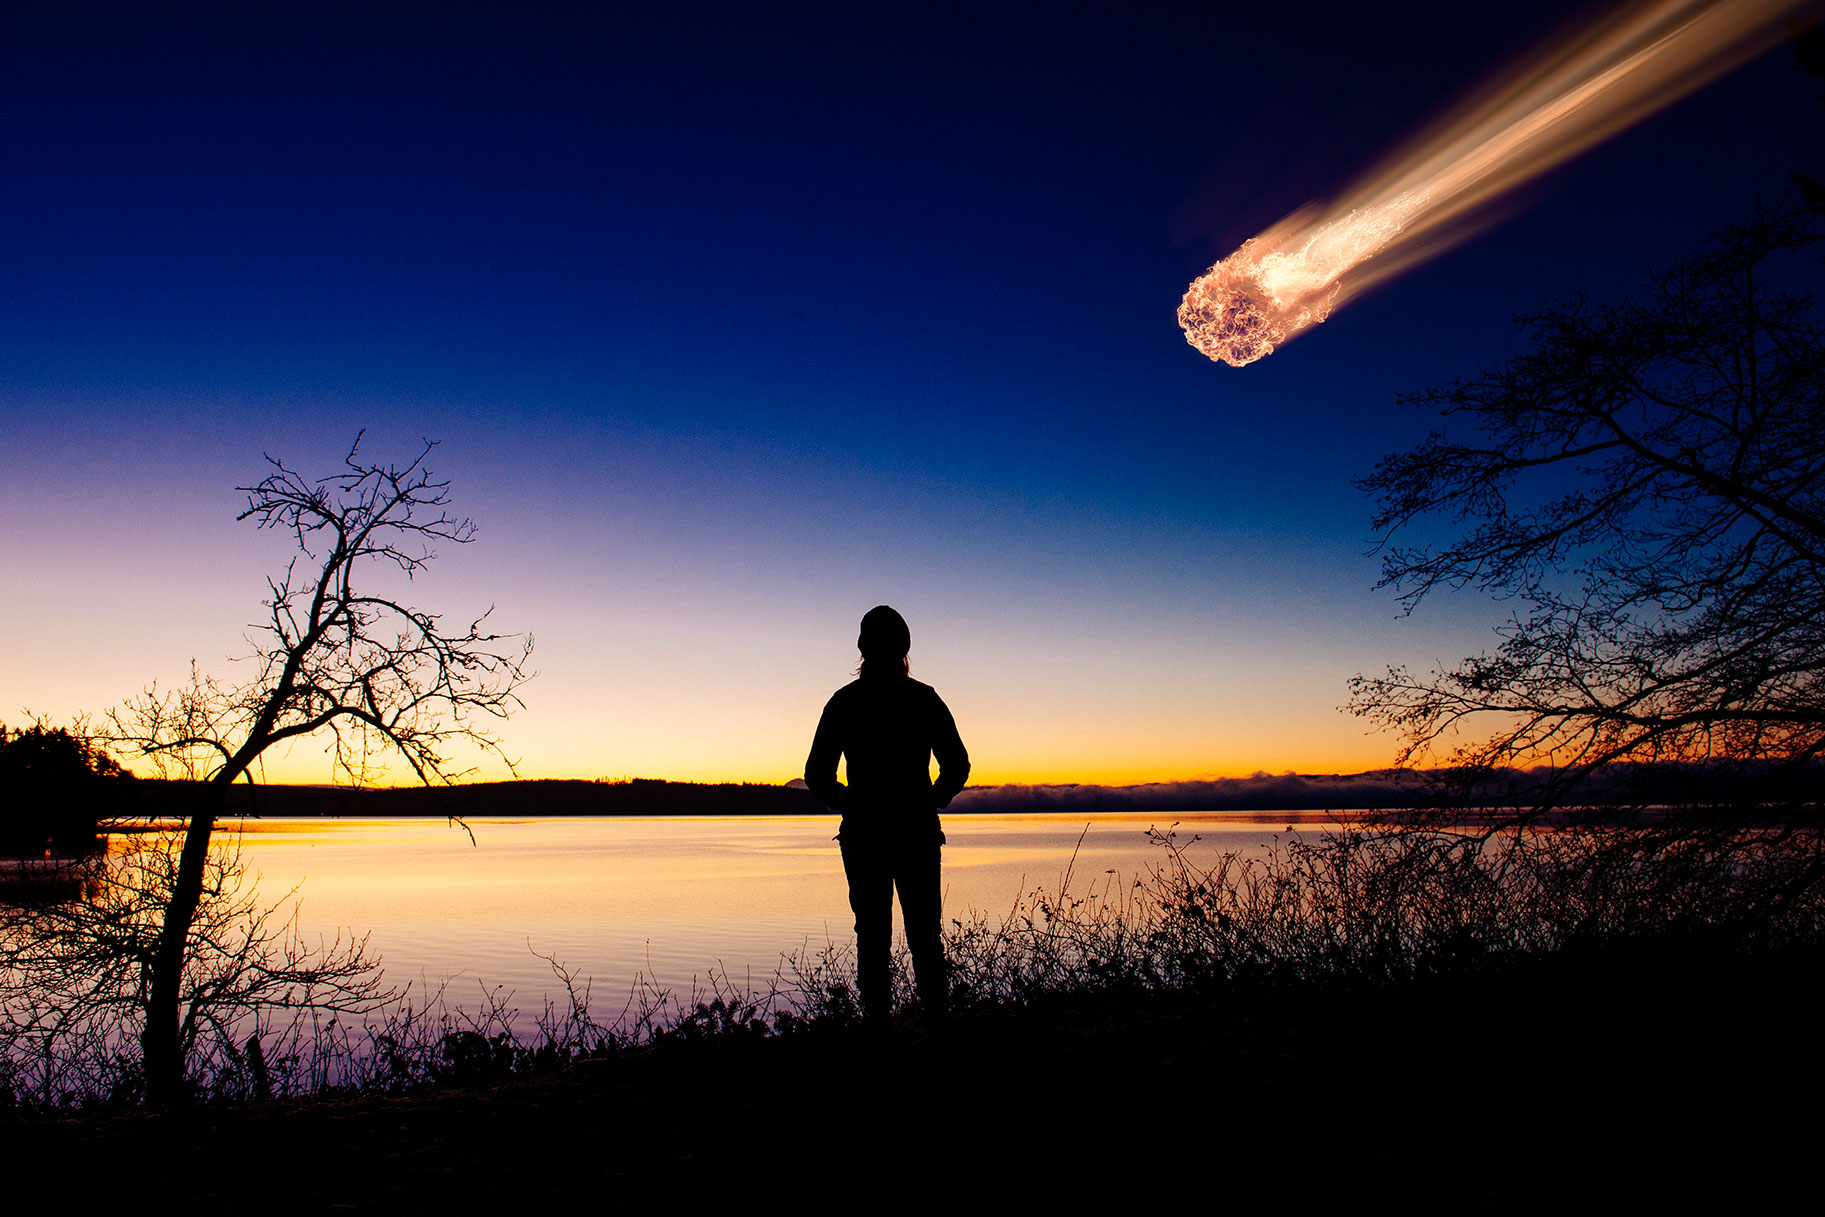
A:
{"x":877,"y":863}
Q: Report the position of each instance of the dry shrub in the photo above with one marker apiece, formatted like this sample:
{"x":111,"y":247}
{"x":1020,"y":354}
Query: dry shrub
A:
{"x":1386,"y":903}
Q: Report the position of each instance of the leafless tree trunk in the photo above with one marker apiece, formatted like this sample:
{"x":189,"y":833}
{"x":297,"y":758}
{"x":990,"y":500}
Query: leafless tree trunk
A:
{"x":373,"y":673}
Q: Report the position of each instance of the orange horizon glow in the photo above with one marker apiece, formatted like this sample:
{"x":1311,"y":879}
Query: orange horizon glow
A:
{"x":1428,"y":196}
{"x":299,"y":772}
{"x":1265,"y":719}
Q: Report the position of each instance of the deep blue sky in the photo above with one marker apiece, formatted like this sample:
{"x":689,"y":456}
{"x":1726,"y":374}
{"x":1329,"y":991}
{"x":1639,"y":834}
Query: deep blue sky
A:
{"x":736,"y":321}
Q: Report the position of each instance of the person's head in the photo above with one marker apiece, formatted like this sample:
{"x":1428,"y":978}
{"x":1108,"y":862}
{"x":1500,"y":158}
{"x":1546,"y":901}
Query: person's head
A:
{"x":884,"y":642}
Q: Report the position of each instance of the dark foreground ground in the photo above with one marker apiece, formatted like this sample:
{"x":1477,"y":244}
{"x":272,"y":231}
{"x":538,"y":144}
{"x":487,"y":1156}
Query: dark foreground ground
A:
{"x":1607,"y":1083}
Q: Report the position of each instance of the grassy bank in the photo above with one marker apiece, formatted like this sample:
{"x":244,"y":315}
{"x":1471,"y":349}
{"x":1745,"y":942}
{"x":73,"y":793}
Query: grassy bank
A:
{"x":1480,"y":1019}
{"x":1609,"y":1077}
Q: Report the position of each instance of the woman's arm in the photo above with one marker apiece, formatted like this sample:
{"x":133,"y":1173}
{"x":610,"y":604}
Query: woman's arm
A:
{"x":820,"y":766}
{"x":953,"y":758}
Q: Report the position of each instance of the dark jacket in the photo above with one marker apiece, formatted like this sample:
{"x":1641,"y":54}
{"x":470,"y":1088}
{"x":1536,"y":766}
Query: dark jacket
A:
{"x":888,"y":728}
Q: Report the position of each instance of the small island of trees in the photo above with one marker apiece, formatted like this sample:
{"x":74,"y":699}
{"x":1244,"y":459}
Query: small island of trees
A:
{"x":59,"y":789}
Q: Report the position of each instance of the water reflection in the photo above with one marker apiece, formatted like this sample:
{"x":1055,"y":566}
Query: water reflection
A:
{"x":666,"y":898}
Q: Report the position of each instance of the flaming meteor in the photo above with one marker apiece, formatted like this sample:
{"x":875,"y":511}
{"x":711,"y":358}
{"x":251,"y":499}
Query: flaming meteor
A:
{"x":1546,"y":111}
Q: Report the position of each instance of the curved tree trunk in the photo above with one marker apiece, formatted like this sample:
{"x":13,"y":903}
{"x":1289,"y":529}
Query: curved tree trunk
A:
{"x":161,"y":1044}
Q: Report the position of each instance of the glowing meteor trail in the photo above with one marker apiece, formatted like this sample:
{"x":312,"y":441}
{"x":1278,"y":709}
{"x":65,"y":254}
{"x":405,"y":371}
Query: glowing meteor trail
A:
{"x":1416,"y":202}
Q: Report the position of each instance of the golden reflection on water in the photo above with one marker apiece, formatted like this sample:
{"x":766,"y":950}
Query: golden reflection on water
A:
{"x":665,"y":897}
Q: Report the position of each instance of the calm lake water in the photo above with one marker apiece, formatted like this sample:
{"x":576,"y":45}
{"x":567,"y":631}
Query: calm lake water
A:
{"x":668,"y":899}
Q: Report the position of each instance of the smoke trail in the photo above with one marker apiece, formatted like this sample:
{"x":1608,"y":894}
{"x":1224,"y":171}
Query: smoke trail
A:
{"x":1547,"y":110}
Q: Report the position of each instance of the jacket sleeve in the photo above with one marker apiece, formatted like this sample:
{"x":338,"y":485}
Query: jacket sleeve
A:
{"x":820,"y":766}
{"x":953,"y":758}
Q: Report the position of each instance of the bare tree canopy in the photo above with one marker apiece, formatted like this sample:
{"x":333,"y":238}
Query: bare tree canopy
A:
{"x":1645,"y":484}
{"x":335,"y":655}
{"x":338,"y":655}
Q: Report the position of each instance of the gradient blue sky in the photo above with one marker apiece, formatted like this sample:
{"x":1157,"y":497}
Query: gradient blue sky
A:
{"x":734,"y":322}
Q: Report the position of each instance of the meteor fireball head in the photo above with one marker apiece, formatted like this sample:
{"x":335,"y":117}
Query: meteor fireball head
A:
{"x":1230,"y":314}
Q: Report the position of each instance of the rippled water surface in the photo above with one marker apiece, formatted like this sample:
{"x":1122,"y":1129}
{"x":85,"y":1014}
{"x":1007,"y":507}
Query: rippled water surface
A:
{"x":669,"y":898}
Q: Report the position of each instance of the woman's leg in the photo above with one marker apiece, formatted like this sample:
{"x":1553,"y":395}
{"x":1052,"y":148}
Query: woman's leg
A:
{"x":916,"y":874}
{"x":870,"y":875}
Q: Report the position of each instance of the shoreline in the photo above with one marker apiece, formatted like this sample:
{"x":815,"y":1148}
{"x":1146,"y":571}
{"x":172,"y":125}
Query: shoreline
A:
{"x":644,"y":796}
{"x":1377,"y":796}
{"x":1578,"y":1077}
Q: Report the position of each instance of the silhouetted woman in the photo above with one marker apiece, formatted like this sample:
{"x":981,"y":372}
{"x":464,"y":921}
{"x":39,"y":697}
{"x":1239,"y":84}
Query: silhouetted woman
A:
{"x":888,"y":727}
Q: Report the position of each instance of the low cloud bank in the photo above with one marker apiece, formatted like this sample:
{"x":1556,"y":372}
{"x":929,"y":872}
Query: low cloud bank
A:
{"x":1386,"y":788}
{"x":1744,"y":784}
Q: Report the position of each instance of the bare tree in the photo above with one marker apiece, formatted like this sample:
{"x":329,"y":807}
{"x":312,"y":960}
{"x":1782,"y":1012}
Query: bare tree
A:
{"x":335,"y":656}
{"x":1646,"y":484}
